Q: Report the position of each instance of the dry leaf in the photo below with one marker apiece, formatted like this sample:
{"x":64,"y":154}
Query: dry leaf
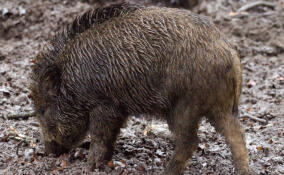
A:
{"x":124,"y":162}
{"x":259,"y":148}
{"x":33,"y":61}
{"x":248,"y":109}
{"x":54,"y":171}
{"x":141,"y":168}
{"x":265,"y":168}
{"x":145,"y":132}
{"x":110,"y":164}
{"x":148,"y":129}
{"x":13,"y":129}
{"x":63,"y":164}
{"x":35,"y":158}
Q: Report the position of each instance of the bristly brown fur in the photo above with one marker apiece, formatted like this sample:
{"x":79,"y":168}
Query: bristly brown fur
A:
{"x":125,"y":60}
{"x":45,"y":59}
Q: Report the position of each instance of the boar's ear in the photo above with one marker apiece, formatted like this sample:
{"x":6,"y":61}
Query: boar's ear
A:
{"x":50,"y":81}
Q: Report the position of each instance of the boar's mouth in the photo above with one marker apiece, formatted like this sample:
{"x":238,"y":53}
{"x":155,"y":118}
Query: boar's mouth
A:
{"x":55,"y":148}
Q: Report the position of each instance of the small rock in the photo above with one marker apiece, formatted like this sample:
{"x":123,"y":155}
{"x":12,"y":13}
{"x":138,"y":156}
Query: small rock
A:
{"x":78,"y":154}
{"x":281,"y":169}
{"x":158,"y":161}
{"x":28,"y":155}
{"x":253,"y":101}
{"x":21,"y":99}
{"x":282,"y":153}
{"x":271,"y":93}
{"x":142,"y":167}
{"x":161,"y":130}
{"x":118,"y":163}
{"x":269,"y":50}
{"x":6,"y":94}
{"x":279,"y":42}
{"x":277,"y":159}
{"x":22,"y":11}
{"x":4,"y":11}
{"x":118,"y":170}
{"x":159,"y":152}
{"x":35,"y":124}
{"x":281,"y":81}
{"x":3,"y":165}
{"x":251,"y":83}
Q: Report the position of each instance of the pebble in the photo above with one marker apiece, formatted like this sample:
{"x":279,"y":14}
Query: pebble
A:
{"x":22,"y":99}
{"x":118,"y":163}
{"x":281,"y":169}
{"x":158,"y":161}
{"x":28,"y":155}
{"x":277,"y":159}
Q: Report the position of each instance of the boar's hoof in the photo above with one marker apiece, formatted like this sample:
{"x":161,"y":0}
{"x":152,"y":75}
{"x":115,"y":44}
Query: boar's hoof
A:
{"x":244,"y":172}
{"x":55,"y":148}
{"x":97,"y":157}
{"x":92,"y":165}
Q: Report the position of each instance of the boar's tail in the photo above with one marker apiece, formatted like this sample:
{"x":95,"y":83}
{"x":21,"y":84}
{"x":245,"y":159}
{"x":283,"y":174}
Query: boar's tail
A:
{"x":237,"y":85}
{"x":236,"y":107}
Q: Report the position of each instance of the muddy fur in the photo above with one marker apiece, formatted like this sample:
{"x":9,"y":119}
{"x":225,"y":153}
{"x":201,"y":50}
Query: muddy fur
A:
{"x":127,"y":60}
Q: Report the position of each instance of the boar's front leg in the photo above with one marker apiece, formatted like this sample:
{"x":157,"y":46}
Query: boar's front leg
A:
{"x":105,"y":124}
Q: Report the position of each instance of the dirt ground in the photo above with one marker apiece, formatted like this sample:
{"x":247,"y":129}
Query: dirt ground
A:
{"x":145,"y":146}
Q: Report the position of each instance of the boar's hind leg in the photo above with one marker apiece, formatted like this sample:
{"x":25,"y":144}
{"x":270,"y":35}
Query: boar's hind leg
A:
{"x":184,"y":125}
{"x":230,"y":127}
{"x":105,"y":124}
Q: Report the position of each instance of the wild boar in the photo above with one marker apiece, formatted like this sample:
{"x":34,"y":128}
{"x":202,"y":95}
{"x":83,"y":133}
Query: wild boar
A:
{"x":127,"y":60}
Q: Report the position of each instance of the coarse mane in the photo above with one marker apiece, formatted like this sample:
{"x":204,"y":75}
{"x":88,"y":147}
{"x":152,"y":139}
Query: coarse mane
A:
{"x":81,"y":23}
{"x":44,"y":63}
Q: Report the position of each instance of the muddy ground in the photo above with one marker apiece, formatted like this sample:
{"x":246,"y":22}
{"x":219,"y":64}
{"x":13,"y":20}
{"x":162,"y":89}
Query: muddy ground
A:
{"x":145,"y":146}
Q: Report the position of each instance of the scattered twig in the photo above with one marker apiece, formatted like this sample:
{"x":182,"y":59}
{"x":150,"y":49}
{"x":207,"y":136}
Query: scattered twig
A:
{"x":23,"y":116}
{"x":255,"y":119}
{"x":254,"y":4}
{"x":22,"y":138}
{"x":18,"y":145}
{"x":238,"y":14}
{"x":18,"y":139}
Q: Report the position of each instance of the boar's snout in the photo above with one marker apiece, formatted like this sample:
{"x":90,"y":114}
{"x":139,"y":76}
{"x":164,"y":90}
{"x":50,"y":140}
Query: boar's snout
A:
{"x":54,"y":148}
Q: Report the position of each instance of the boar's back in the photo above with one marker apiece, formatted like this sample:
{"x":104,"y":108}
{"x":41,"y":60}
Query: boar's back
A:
{"x":91,"y":18}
